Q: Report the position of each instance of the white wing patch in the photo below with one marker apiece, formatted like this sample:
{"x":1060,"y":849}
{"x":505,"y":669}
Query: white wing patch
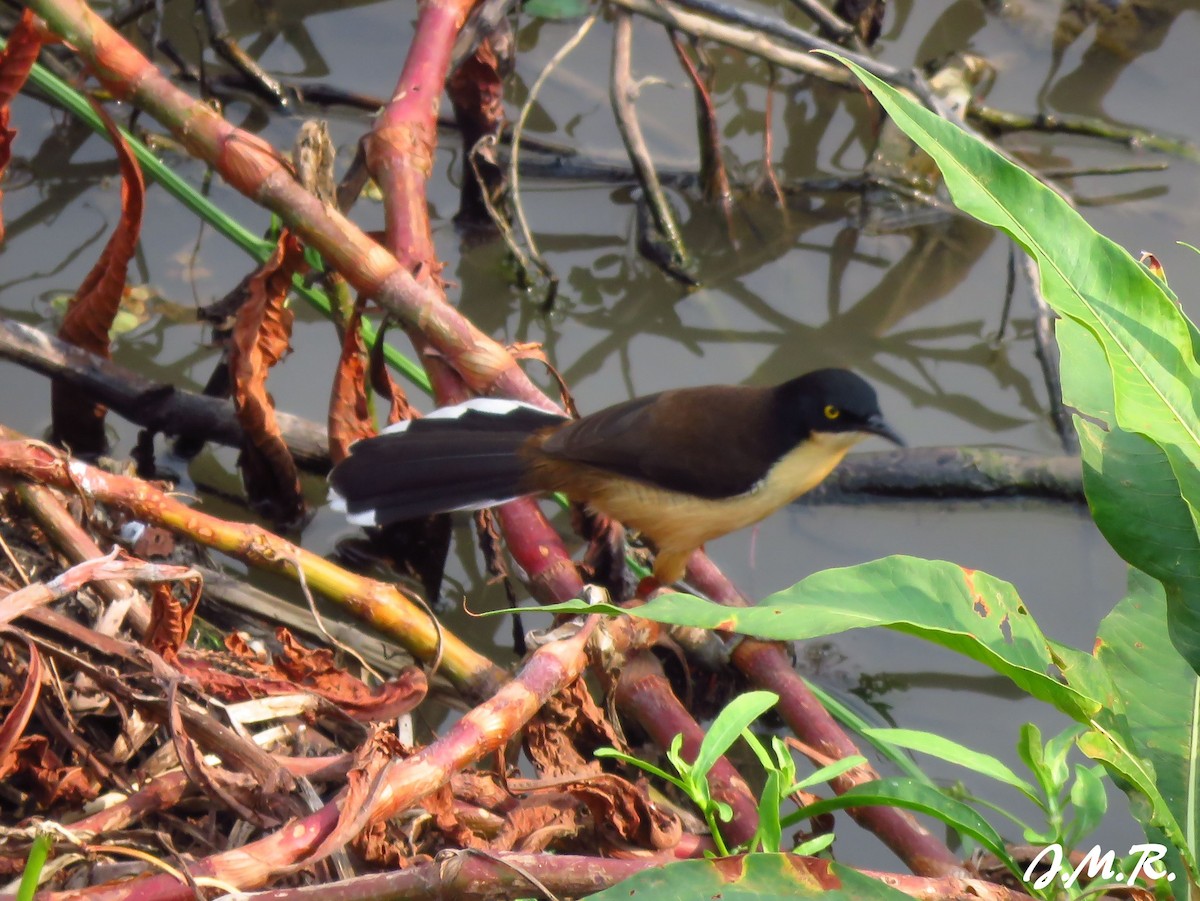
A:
{"x":492,"y":406}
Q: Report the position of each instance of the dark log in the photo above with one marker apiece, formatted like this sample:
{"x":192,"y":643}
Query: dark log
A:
{"x":154,"y":405}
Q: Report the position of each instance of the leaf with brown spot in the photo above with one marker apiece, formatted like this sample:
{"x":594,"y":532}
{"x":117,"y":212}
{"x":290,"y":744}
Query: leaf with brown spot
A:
{"x":16,"y":61}
{"x":78,"y":422}
{"x":261,"y":336}
{"x":931,"y":599}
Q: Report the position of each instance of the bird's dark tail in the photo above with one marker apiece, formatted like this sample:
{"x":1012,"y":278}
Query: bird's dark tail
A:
{"x":464,"y":457}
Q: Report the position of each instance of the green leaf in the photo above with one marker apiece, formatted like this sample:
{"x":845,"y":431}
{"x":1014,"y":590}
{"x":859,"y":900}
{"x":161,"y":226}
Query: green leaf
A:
{"x":769,"y":835}
{"x":749,"y":877}
{"x":1147,"y":342}
{"x":725,"y":729}
{"x":914,"y":795}
{"x":829,"y":771}
{"x":1160,"y":701}
{"x":1089,"y":800}
{"x":953,"y":752}
{"x":34,"y":864}
{"x":643,"y":765}
{"x":556,"y":9}
{"x":815,"y":845}
{"x":961,"y":609}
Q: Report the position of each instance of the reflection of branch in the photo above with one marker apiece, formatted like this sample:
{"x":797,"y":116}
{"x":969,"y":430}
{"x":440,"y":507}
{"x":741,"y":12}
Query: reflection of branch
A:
{"x":1047,"y":354}
{"x":1002,"y":120}
{"x":713,"y":176}
{"x":673,"y":256}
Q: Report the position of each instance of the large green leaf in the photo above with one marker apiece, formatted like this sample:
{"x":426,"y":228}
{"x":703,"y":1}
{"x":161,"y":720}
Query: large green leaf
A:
{"x":1144,"y":337}
{"x":962,"y":609}
{"x":753,"y":877}
{"x":1160,"y":710}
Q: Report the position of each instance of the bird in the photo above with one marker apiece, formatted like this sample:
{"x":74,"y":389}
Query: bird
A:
{"x":682,"y":466}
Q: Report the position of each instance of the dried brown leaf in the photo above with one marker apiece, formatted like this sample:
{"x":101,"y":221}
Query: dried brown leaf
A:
{"x":37,"y":769}
{"x":17,"y":718}
{"x":349,"y":412}
{"x":77,"y":420}
{"x":261,"y":336}
{"x":300,"y":669}
{"x":16,"y":60}
{"x":170,"y":623}
{"x":568,"y":727}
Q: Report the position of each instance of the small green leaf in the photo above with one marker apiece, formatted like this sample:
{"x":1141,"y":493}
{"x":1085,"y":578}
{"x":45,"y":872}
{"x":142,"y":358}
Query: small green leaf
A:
{"x":815,"y":845}
{"x":953,"y":752}
{"x":827,"y":772}
{"x":725,"y":729}
{"x":1089,"y":800}
{"x":34,"y":864}
{"x":769,"y":835}
{"x":644,"y":765}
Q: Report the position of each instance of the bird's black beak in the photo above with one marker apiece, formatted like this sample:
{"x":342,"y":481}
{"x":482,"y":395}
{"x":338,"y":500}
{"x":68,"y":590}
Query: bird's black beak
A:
{"x":877,"y":426}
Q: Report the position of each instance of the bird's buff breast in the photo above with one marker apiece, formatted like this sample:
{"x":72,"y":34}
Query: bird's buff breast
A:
{"x":682,"y":522}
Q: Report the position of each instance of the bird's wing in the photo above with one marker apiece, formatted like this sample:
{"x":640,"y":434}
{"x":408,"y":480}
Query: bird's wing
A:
{"x":680,"y":440}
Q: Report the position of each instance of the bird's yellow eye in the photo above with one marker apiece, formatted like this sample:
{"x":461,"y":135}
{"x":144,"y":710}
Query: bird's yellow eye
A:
{"x":832,"y":412}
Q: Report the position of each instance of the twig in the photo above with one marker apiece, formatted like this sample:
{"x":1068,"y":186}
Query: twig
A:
{"x":673,"y":257}
{"x":1130,"y":169}
{"x":1002,"y":120}
{"x":744,"y":38}
{"x":834,"y":27}
{"x":230,"y":51}
{"x":1010,"y":288}
{"x":514,"y":175}
{"x":78,"y":546}
{"x":16,"y":565}
{"x":757,"y":24}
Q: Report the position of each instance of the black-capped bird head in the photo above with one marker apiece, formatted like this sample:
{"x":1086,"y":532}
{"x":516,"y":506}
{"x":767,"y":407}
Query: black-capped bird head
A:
{"x":832,"y":402}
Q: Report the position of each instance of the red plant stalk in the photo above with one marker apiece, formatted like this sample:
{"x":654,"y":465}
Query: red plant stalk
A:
{"x":479,"y":877}
{"x":643,"y":690}
{"x":384,"y":606}
{"x":481,"y":732}
{"x":399,"y":154}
